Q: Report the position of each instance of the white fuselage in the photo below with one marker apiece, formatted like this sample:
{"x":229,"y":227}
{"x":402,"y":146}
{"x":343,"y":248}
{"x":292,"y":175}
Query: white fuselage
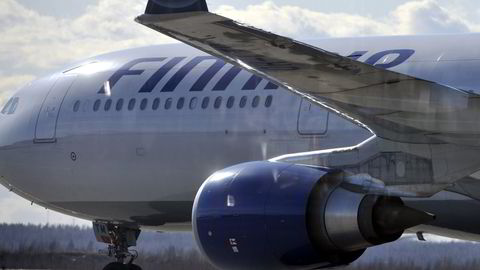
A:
{"x":142,"y":158}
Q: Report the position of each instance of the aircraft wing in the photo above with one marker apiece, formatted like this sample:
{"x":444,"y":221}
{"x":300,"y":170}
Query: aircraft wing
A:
{"x":394,"y":106}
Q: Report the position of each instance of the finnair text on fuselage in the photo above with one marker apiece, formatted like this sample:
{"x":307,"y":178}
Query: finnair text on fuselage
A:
{"x":391,"y":58}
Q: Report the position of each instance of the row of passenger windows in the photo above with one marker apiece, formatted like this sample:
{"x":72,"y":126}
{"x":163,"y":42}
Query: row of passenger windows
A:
{"x":180,"y":104}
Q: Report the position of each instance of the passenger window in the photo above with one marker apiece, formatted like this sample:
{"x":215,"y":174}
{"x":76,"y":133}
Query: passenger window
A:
{"x":180,"y":103}
{"x":7,"y":106}
{"x":256,"y":101}
{"x":96,"y":105}
{"x":268,"y":101}
{"x":131,"y":104}
{"x":243,"y":102}
{"x":230,"y":102}
{"x":205,"y":102}
{"x":218,"y":102}
{"x":107,"y":105}
{"x":193,"y":103}
{"x":76,"y":106}
{"x":168,"y":104}
{"x":14,"y":106}
{"x":119,"y":104}
{"x":144,"y":104}
{"x":156,"y":104}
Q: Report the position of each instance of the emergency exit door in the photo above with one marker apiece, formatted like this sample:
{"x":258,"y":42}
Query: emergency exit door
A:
{"x":47,"y":117}
{"x":312,"y":119}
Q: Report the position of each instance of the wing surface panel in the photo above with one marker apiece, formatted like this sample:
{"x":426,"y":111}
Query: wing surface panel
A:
{"x":393,"y":105}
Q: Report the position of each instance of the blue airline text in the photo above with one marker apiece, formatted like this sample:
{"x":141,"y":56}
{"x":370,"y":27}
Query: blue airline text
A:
{"x":401,"y":55}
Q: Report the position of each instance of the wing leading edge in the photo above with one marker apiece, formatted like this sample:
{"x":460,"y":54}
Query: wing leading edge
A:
{"x":394,"y":106}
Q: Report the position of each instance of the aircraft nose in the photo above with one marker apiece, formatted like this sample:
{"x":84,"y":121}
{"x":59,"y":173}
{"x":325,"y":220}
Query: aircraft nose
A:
{"x":17,"y":128}
{"x":18,"y":115}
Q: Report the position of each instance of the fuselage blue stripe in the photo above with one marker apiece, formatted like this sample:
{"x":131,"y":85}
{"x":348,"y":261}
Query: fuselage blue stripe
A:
{"x":395,"y":57}
{"x":159,"y":74}
{"x":252,"y":83}
{"x":402,"y":55}
{"x":227,"y":79}
{"x":207,"y":76}
{"x":125,"y":70}
{"x":180,"y":75}
{"x":271,"y":86}
{"x":356,"y":55}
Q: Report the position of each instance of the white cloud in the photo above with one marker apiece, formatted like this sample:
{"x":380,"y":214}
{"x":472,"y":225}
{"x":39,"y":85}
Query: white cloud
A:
{"x":428,"y":17}
{"x":31,"y":41}
{"x":33,"y":44}
{"x":301,"y":22}
{"x":414,"y":17}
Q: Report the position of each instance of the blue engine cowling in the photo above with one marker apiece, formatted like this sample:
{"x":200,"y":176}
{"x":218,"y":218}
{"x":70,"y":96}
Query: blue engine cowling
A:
{"x":255,"y":216}
{"x":266,"y":215}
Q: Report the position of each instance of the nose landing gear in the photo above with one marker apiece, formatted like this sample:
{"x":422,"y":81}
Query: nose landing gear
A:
{"x":119,"y":238}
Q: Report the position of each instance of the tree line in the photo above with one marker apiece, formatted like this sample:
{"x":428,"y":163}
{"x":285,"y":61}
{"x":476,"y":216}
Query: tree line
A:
{"x":73,"y":247}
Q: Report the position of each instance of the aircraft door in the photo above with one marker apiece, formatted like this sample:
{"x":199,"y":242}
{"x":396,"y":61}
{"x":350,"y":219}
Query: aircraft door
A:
{"x":47,"y":117}
{"x":312,"y":119}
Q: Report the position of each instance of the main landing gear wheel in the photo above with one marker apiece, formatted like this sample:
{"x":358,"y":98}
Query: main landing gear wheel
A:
{"x":119,"y":238}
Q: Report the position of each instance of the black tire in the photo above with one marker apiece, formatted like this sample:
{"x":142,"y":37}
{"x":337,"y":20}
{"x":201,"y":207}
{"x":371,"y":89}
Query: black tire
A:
{"x":116,"y":266}
{"x":133,"y":267}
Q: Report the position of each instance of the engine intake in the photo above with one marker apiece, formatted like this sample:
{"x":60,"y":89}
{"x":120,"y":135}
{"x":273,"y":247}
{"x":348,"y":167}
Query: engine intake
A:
{"x":264,"y":215}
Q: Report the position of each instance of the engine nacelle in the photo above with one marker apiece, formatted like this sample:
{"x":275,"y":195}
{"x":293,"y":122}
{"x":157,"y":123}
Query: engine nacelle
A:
{"x":264,"y":215}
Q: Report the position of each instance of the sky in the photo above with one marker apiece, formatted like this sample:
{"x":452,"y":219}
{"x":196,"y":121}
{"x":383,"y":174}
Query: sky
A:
{"x":38,"y":37}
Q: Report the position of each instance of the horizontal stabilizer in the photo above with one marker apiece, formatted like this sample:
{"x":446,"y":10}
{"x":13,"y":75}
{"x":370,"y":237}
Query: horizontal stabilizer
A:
{"x":175,"y":6}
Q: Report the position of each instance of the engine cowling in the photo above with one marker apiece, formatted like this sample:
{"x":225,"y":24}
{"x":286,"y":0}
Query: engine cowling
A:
{"x":264,"y":215}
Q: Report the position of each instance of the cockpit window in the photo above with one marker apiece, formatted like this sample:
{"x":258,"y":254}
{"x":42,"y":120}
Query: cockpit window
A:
{"x":14,"y":106}
{"x":11,"y":106}
{"x":5,"y":108}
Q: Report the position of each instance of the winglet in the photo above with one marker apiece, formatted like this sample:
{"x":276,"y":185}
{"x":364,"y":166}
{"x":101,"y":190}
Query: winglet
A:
{"x":157,"y":7}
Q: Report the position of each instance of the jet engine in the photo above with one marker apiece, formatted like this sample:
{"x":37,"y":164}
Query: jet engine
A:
{"x":266,"y":215}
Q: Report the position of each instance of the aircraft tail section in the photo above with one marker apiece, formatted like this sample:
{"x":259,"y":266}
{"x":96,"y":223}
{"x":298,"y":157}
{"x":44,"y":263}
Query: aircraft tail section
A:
{"x":157,"y":7}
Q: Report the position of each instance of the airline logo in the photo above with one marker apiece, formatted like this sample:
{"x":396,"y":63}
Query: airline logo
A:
{"x":398,"y":57}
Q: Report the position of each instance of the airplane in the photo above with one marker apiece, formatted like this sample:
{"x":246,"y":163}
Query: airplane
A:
{"x":275,"y":153}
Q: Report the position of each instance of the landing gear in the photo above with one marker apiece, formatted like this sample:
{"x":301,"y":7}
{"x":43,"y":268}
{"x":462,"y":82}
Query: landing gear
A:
{"x":119,"y":238}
